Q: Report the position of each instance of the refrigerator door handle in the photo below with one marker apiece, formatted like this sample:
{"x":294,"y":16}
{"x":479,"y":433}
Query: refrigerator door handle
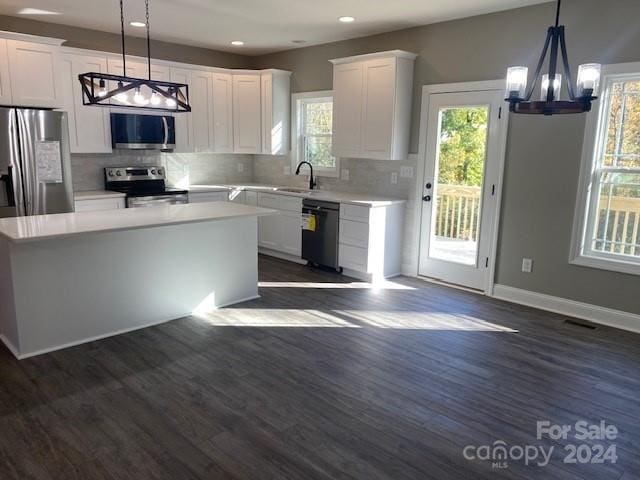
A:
{"x":16,"y":170}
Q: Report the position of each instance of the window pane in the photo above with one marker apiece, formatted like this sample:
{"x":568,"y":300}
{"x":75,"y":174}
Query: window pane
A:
{"x":617,"y":228}
{"x":623,"y":126}
{"x":461,"y":163}
{"x":318,"y":151}
{"x":318,"y":117}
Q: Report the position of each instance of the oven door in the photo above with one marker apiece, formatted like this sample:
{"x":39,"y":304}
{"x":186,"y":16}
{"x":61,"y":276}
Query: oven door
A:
{"x":156,"y":200}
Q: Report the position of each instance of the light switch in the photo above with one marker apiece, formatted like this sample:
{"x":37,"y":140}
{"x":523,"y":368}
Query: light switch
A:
{"x":394,"y":177}
{"x":344,"y":174}
{"x":241,"y":167}
{"x":527,"y":265}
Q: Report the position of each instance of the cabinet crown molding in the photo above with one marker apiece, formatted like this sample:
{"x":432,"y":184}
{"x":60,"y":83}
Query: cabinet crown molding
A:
{"x":25,"y":37}
{"x":375,"y":55}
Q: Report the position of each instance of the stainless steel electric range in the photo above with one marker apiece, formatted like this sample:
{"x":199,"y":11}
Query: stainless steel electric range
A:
{"x":144,"y":186}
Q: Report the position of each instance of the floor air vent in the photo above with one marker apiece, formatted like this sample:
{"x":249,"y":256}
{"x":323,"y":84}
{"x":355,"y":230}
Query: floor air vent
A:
{"x":578,"y":323}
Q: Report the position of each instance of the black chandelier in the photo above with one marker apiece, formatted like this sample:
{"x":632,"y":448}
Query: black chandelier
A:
{"x":106,"y":90}
{"x":519,"y":97}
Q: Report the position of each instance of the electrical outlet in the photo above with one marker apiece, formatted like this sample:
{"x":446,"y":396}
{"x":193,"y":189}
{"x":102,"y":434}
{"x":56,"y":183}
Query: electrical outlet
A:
{"x":344,"y":174}
{"x":287,"y":170}
{"x":406,"y":172}
{"x":527,"y":265}
{"x":394,"y":177}
{"x":240,"y":167}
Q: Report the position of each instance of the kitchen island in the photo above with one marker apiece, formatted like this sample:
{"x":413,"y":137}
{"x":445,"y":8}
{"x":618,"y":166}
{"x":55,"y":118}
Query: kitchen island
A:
{"x":71,"y":278}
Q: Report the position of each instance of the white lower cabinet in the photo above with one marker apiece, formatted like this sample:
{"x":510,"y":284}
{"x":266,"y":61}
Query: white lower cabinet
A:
{"x":283,"y":232}
{"x":371,"y":240}
{"x":100,"y":204}
{"x":204,"y":197}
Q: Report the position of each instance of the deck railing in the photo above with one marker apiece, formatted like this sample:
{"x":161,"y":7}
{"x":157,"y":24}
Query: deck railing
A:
{"x":458,"y":212}
{"x":619,"y":231}
{"x":457,"y":218}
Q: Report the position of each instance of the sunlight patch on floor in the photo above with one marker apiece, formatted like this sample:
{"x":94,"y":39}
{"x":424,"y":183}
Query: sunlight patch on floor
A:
{"x":425,"y":321}
{"x":313,"y":318}
{"x":382,"y":285}
{"x":251,"y":317}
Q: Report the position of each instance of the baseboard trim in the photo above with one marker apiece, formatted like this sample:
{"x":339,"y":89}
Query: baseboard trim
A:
{"x":593,"y":313}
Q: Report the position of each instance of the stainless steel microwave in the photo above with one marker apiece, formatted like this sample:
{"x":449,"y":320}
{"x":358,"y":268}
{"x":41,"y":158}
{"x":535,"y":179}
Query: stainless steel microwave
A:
{"x":143,"y":132}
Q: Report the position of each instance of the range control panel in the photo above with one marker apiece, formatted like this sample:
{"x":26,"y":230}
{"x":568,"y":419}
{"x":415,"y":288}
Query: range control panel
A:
{"x":132,"y":174}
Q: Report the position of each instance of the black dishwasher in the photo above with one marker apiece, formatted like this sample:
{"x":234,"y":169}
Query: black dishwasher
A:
{"x":320,"y":232}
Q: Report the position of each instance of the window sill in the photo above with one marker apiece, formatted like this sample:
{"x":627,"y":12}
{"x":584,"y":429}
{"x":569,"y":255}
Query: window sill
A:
{"x":610,"y":264}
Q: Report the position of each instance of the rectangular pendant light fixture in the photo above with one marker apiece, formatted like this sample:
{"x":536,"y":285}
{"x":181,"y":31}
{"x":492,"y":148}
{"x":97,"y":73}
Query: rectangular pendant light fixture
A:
{"x":107,"y":90}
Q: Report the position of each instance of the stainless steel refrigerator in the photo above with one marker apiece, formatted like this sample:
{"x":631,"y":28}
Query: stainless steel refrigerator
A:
{"x":35,"y":163}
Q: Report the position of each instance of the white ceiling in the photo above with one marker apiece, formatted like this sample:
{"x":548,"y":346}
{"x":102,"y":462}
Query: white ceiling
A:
{"x":264,"y":25}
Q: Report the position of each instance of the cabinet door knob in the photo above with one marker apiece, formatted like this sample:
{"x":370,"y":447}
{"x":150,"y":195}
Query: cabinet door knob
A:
{"x":427,"y":198}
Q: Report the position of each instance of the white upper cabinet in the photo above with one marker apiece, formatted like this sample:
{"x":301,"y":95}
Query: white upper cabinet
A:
{"x":89,"y":127}
{"x":34,"y":71}
{"x":276,"y":111}
{"x":347,"y":109}
{"x":5,"y":81}
{"x":201,"y":100}
{"x":372,"y":105}
{"x":184,"y":132}
{"x":223,"y":112}
{"x":247,"y":113}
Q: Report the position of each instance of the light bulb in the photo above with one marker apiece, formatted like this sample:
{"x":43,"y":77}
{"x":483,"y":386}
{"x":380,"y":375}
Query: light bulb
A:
{"x":103,"y":89}
{"x":517,"y":82}
{"x":589,"y":79}
{"x":122,"y":96}
{"x":155,"y":98}
{"x":557,"y":85}
{"x":139,"y":98}
{"x":171,"y":102}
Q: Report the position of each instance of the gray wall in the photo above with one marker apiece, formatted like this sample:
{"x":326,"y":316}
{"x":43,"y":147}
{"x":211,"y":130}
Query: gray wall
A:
{"x":543,"y":153}
{"x":109,"y":42}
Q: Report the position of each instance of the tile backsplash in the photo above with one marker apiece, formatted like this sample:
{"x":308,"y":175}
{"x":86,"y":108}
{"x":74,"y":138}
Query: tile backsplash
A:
{"x":365,"y":176}
{"x":182,"y":168}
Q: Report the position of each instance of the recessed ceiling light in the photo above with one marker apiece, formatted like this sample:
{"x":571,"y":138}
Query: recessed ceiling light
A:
{"x":347,"y":19}
{"x":36,"y":11}
{"x":237,"y":43}
{"x":138,"y":24}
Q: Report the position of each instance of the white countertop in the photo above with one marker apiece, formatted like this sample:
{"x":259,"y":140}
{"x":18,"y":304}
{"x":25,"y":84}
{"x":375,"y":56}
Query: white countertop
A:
{"x":326,"y":195}
{"x":44,"y":227}
{"x":97,"y":194}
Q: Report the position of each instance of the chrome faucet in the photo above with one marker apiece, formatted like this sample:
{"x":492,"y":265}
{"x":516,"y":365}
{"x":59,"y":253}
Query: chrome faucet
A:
{"x":312,"y":182}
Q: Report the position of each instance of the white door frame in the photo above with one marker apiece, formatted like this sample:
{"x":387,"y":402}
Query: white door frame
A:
{"x":427,"y":91}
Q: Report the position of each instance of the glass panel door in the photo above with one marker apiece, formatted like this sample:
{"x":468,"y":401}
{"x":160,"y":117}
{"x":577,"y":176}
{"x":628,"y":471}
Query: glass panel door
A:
{"x":461,"y":171}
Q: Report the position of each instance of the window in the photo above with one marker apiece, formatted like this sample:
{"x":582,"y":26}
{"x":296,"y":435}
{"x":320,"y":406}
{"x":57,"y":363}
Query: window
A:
{"x":313,"y":118}
{"x":609,"y":200}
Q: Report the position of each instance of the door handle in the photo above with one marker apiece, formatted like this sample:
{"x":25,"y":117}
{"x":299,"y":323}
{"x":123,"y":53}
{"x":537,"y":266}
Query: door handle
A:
{"x":428,"y":185}
{"x":426,"y":198}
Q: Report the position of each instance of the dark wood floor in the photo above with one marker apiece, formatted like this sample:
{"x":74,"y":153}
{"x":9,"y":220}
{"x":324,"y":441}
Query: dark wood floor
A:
{"x":324,"y":379}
